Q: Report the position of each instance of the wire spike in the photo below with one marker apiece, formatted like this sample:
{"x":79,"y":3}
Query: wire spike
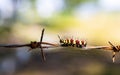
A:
{"x":112,"y":45}
{"x":113,"y":57}
{"x":42,"y":53}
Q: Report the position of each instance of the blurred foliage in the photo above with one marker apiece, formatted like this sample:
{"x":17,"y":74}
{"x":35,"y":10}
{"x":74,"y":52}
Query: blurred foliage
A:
{"x":72,"y":4}
{"x":60,"y":23}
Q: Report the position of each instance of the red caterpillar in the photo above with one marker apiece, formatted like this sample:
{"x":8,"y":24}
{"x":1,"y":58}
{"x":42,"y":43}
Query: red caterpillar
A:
{"x":72,"y":42}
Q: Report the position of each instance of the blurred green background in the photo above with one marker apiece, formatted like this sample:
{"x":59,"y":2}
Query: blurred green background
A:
{"x":21,"y":21}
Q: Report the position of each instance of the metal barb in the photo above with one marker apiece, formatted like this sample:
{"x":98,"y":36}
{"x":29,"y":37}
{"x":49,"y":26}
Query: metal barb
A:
{"x":42,"y":53}
{"x":112,"y":45}
{"x":113,"y":57}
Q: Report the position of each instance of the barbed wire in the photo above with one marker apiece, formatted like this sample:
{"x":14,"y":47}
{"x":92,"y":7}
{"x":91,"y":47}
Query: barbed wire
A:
{"x":63,"y":43}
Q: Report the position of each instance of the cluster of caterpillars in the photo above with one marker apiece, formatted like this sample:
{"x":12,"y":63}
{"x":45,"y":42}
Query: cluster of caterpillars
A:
{"x":71,"y":42}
